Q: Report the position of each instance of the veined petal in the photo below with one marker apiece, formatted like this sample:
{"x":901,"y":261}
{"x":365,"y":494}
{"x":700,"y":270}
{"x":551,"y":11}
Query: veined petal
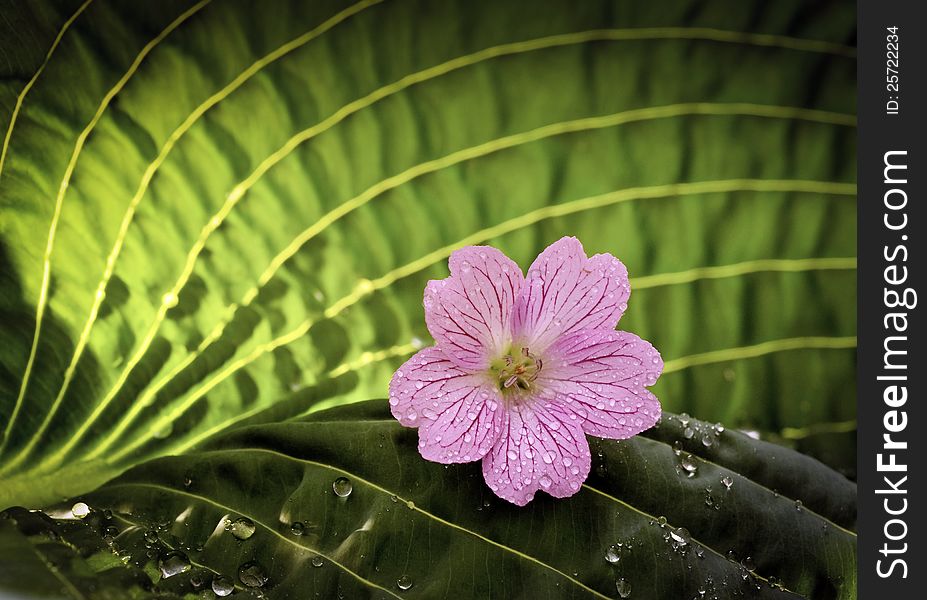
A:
{"x":427,"y":376}
{"x":565,"y":292}
{"x":542,"y":447}
{"x":462,"y":425}
{"x":604,"y":374}
{"x":469,"y":313}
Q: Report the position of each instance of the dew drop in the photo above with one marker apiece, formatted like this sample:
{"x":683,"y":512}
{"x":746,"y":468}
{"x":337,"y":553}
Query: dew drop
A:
{"x":623,"y":588}
{"x":748,"y":564}
{"x":465,"y":267}
{"x":404,"y":582}
{"x":688,"y":465}
{"x":222,"y":586}
{"x":661,"y":521}
{"x":342,"y":487}
{"x":544,"y":481}
{"x":173,"y":563}
{"x":613,"y":554}
{"x":727,"y":481}
{"x":80,"y":510}
{"x":798,"y":505}
{"x":317,"y":561}
{"x":110,"y":532}
{"x":688,"y":432}
{"x":567,"y":461}
{"x":252,"y":575}
{"x":707,"y":440}
{"x":169,"y":300}
{"x":242,"y":528}
{"x":298,"y":528}
{"x":511,"y":454}
{"x":684,"y":419}
{"x":680,"y":537}
{"x":548,"y":458}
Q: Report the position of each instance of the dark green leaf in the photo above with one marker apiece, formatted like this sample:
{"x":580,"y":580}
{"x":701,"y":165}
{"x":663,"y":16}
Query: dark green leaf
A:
{"x":405,"y":520}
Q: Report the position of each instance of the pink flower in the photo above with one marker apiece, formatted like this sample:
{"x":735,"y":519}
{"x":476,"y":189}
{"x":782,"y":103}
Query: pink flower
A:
{"x":524,"y":368}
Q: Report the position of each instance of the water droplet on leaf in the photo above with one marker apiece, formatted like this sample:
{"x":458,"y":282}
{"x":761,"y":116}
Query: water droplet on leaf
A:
{"x":173,"y":563}
{"x":80,"y":510}
{"x":252,"y":574}
{"x":613,"y":554}
{"x":242,"y":528}
{"x":222,"y":586}
{"x":404,"y":582}
{"x":342,"y":487}
{"x":623,"y":588}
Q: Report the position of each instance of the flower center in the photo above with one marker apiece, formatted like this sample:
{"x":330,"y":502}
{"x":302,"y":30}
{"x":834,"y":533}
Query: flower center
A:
{"x":516,"y":371}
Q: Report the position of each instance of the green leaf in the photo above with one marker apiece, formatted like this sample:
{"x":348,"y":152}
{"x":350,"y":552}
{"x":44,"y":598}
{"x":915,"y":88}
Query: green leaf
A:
{"x":214,"y":213}
{"x":406,"y":520}
{"x":47,"y":558}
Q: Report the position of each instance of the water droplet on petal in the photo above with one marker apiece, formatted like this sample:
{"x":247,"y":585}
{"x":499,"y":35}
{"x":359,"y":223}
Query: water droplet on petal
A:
{"x":252,"y":575}
{"x":544,"y":481}
{"x":242,"y":528}
{"x":404,"y":582}
{"x":342,"y":487}
{"x":80,"y":510}
{"x":173,"y":563}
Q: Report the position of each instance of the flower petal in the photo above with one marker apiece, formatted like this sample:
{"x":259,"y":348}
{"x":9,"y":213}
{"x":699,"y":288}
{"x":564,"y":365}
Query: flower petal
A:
{"x":565,"y":292}
{"x":462,"y":425}
{"x":469,"y":313}
{"x":542,"y":446}
{"x":604,"y":374}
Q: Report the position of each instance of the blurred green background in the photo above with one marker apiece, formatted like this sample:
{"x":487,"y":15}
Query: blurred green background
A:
{"x":224,"y":212}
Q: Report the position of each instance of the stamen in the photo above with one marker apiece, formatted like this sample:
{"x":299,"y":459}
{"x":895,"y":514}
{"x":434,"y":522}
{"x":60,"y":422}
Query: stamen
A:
{"x":518,"y":370}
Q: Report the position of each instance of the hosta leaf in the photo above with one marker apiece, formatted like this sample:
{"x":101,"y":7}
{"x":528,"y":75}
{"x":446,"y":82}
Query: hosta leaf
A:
{"x":216,"y":212}
{"x":342,"y":504}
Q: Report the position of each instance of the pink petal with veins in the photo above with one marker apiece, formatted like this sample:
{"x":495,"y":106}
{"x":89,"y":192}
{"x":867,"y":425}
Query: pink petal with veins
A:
{"x":605,"y":373}
{"x":469,"y":314}
{"x":565,"y":292}
{"x":542,"y":447}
